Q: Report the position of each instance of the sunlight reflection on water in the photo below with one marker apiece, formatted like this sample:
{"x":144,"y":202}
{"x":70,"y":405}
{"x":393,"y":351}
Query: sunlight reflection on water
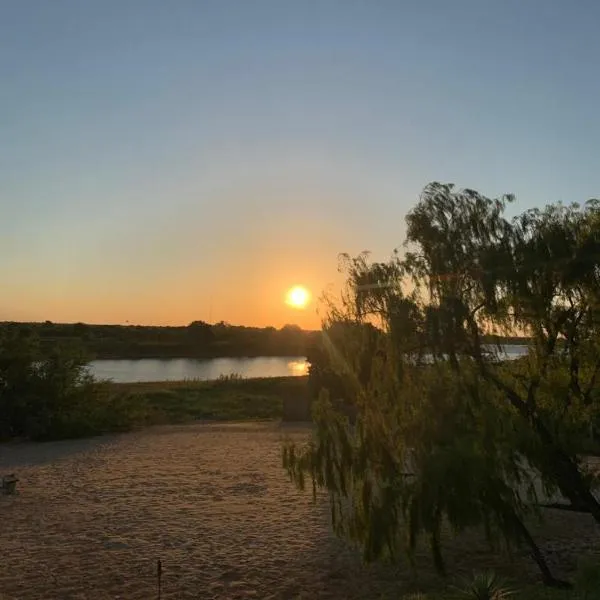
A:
{"x":298,"y":367}
{"x":180,"y":369}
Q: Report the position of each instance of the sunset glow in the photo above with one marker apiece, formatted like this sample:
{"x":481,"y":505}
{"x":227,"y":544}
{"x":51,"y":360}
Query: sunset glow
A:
{"x":297,"y":297}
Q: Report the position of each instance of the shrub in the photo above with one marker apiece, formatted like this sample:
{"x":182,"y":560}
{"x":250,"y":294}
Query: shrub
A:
{"x":225,"y":377}
{"x":485,"y":586}
{"x":51,"y":395}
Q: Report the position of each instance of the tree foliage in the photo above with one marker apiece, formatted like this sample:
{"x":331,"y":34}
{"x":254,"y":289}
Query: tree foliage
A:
{"x":196,"y":340}
{"x":442,"y":430}
{"x":50,"y":395}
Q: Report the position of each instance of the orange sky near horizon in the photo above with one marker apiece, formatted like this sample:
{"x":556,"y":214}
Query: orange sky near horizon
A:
{"x":242,"y":289}
{"x":242,"y":302}
{"x":172,"y":269}
{"x":167,"y":308}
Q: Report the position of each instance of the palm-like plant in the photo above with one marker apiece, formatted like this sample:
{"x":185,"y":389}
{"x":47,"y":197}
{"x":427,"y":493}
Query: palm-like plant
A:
{"x":485,"y":586}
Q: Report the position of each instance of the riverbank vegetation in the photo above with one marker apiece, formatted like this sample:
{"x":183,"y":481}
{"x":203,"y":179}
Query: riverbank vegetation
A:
{"x":196,"y":340}
{"x":50,"y":395}
{"x":419,"y":427}
{"x":226,"y":399}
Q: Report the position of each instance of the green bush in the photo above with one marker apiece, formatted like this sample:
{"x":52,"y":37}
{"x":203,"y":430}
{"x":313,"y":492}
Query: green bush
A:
{"x":51,"y":395}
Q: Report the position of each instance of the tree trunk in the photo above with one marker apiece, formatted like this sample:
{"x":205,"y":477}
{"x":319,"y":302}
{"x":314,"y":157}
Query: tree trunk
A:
{"x":567,"y":475}
{"x":565,"y":472}
{"x":537,"y":555}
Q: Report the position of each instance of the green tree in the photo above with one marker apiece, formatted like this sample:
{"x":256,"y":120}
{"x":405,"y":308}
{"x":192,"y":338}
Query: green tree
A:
{"x":201,"y":333}
{"x":431,"y":393}
{"x":478,"y":272}
{"x":50,"y":394}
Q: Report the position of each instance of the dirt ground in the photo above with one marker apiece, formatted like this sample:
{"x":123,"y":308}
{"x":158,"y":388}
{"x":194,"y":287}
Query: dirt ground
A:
{"x":211,"y":502}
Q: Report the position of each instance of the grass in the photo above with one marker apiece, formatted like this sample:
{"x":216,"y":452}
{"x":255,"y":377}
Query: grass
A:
{"x":173,"y":402}
{"x":119,"y":407}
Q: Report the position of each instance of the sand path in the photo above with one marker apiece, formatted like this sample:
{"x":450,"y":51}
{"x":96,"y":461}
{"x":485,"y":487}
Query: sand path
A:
{"x":213,"y":503}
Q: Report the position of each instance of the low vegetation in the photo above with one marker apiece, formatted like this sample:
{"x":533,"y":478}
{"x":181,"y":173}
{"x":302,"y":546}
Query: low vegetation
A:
{"x":50,"y":395}
{"x":229,"y":398}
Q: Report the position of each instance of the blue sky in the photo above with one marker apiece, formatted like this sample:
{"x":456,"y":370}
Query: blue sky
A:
{"x":168,"y":161}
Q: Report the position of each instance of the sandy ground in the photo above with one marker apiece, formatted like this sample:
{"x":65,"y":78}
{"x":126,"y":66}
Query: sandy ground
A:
{"x":211,"y":501}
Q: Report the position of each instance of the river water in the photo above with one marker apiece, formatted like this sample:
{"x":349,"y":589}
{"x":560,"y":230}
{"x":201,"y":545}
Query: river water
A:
{"x":178,"y":369}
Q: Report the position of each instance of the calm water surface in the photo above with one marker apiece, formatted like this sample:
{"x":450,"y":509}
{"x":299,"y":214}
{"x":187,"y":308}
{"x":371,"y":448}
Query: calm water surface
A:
{"x":178,"y":369}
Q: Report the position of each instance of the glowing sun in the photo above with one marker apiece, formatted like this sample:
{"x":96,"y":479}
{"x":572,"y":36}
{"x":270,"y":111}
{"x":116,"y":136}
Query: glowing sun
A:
{"x":297,"y":297}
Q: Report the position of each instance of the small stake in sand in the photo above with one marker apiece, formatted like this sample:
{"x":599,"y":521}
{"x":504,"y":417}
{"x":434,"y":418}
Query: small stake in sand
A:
{"x":159,"y":575}
{"x":9,"y":484}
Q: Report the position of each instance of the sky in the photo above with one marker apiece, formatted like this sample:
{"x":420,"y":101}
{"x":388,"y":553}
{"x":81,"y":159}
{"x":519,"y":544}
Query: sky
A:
{"x":163,"y":162}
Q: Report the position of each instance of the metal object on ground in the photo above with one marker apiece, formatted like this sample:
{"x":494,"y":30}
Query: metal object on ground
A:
{"x":9,"y":484}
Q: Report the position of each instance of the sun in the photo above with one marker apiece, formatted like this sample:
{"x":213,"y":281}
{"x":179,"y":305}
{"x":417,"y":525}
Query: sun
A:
{"x":297,"y":297}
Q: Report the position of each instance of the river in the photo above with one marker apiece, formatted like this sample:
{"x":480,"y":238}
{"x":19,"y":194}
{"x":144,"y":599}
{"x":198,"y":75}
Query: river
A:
{"x":179,"y":369}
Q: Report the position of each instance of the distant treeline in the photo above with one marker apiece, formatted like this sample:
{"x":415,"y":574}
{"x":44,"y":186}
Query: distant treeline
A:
{"x":196,"y":340}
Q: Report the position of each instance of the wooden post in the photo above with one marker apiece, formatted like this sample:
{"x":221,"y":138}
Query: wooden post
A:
{"x":159,"y":575}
